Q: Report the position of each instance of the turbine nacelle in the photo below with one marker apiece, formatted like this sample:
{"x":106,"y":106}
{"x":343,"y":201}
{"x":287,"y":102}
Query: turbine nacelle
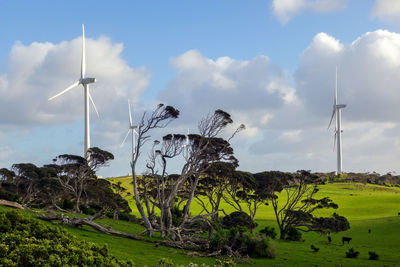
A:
{"x":341,"y":106}
{"x":85,"y":81}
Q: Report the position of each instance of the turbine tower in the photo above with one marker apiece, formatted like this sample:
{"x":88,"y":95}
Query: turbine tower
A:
{"x":85,"y":81}
{"x":337,"y":110}
{"x":132,"y":130}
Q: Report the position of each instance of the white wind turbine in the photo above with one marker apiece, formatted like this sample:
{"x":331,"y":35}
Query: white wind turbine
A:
{"x":132,"y":130}
{"x":338,"y":128}
{"x":85,"y":82}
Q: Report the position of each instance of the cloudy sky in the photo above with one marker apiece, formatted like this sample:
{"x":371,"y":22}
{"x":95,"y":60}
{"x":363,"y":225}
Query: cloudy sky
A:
{"x":269,"y":63}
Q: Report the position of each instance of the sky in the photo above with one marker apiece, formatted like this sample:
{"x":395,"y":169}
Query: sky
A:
{"x":269,"y":63}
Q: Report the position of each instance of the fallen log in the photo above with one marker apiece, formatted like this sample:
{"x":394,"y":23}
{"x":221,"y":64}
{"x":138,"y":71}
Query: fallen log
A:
{"x":11,"y":204}
{"x":186,"y":244}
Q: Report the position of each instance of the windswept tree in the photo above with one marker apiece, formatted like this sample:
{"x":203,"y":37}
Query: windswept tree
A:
{"x":74,"y":172}
{"x":26,"y":177}
{"x":159,"y":118}
{"x":298,"y":202}
{"x":213,"y":186}
{"x":202,"y":150}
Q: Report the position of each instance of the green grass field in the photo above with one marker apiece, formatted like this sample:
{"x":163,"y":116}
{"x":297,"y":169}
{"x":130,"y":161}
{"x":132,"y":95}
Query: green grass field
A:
{"x":365,"y":206}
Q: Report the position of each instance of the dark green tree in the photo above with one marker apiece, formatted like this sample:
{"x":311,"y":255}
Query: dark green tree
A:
{"x":298,"y":202}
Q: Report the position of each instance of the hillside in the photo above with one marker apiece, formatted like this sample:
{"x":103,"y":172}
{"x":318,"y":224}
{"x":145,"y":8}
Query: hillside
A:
{"x":368,"y":207}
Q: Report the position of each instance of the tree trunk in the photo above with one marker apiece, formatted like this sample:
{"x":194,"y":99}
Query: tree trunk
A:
{"x":139,"y":205}
{"x":188,"y":203}
{"x":115,"y":215}
{"x":77,"y":201}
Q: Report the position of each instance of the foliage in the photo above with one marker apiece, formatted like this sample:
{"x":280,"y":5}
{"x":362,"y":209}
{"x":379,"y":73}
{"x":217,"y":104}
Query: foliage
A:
{"x":177,"y":215}
{"x":238,"y":240}
{"x":28,"y":242}
{"x":167,"y":262}
{"x":351,"y":253}
{"x":238,"y":218}
{"x":269,"y":232}
{"x":373,"y":256}
{"x":67,"y":204}
{"x":87,"y":210}
{"x":224,"y":263}
{"x":299,"y":204}
{"x":292,"y":234}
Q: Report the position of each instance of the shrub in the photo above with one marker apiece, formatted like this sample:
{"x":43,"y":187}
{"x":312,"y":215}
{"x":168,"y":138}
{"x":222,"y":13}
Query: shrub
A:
{"x":224,"y":263}
{"x":351,"y":253}
{"x":165,"y":262}
{"x":87,"y":210}
{"x":292,"y":234}
{"x":67,"y":204}
{"x":373,"y":256}
{"x":177,"y":215}
{"x":240,"y":241}
{"x":238,"y":218}
{"x":269,"y":232}
{"x":28,"y":242}
{"x":124,"y":216}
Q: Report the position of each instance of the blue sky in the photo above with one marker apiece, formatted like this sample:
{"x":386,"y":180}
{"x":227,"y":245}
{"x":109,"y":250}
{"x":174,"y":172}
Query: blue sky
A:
{"x":157,"y":39}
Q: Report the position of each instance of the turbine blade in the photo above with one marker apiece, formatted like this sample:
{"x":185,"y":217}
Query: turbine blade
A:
{"x":333,"y":114}
{"x":64,"y":91}
{"x":126,"y":136}
{"x":83,"y":62}
{"x":94,"y":105}
{"x":130,"y":114}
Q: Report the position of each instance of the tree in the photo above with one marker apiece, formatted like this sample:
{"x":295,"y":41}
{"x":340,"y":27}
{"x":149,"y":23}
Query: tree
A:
{"x":212,"y":187}
{"x":74,"y":172}
{"x":203,"y":149}
{"x":298,"y":193}
{"x":26,"y":176}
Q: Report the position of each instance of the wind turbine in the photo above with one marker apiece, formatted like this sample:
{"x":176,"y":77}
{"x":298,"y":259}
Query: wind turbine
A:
{"x":337,"y":110}
{"x":132,"y":130}
{"x":85,"y":81}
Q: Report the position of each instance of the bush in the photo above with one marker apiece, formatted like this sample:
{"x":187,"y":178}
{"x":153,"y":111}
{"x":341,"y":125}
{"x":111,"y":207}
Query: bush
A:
{"x":269,"y":232}
{"x":239,"y":240}
{"x":87,"y":210}
{"x":238,"y":218}
{"x":124,"y":216}
{"x":28,"y":242}
{"x":177,"y":215}
{"x":67,"y":204}
{"x":351,"y":253}
{"x":166,"y":262}
{"x":224,"y":263}
{"x":373,"y":256}
{"x":292,"y":234}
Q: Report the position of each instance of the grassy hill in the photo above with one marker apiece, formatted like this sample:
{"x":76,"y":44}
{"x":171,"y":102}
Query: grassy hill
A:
{"x":366,"y":207}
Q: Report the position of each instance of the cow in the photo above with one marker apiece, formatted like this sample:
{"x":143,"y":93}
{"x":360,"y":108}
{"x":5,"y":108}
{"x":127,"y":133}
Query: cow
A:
{"x":346,"y":239}
{"x":329,"y":239}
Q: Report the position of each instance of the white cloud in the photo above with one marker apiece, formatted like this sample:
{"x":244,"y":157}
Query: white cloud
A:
{"x":387,"y":10}
{"x":292,"y":134}
{"x":40,"y":70}
{"x":285,"y":10}
{"x":250,"y":90}
{"x":368,"y":76}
